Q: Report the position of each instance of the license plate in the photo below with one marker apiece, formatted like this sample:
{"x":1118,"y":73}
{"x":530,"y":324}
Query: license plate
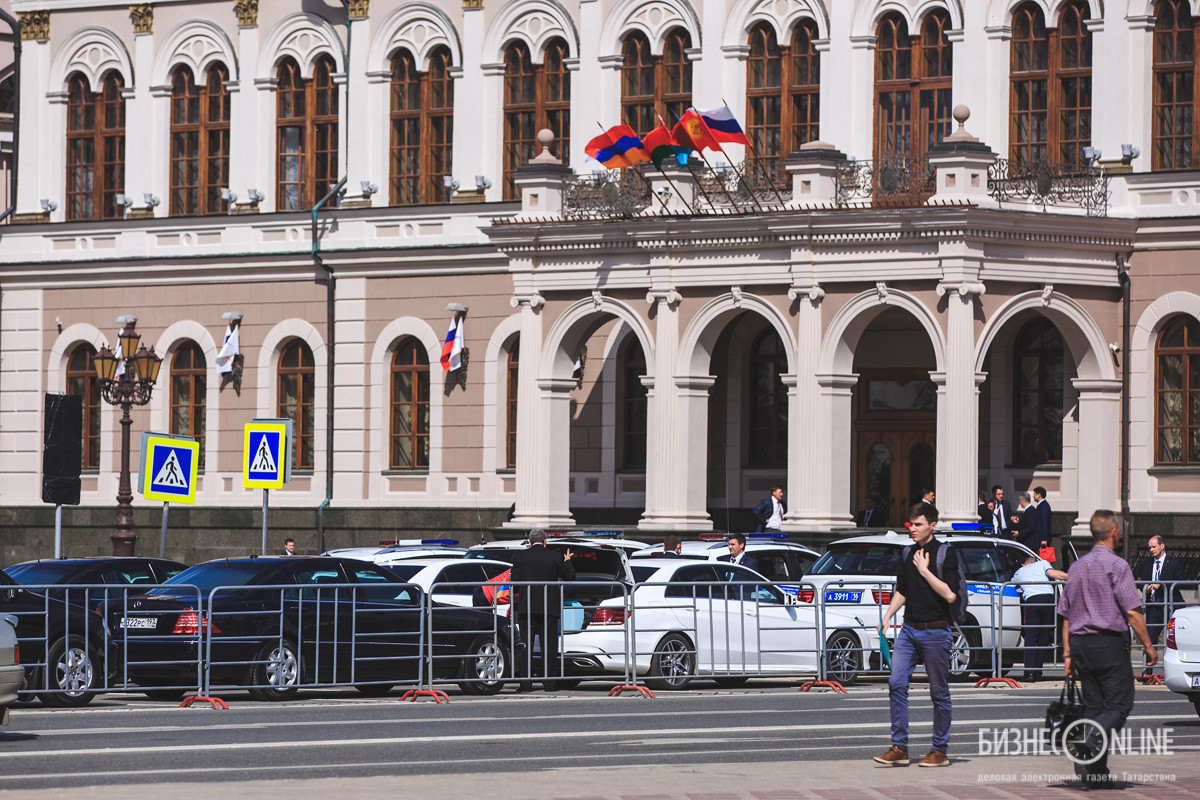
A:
{"x":1196,"y":681}
{"x":139,"y":622}
{"x":842,"y":597}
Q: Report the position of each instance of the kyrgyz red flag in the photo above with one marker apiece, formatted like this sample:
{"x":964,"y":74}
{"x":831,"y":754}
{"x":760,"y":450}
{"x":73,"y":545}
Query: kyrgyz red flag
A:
{"x":692,"y":132}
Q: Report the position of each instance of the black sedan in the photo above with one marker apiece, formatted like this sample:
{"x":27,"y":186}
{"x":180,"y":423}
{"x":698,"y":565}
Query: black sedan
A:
{"x":110,"y":571}
{"x":283,"y":623}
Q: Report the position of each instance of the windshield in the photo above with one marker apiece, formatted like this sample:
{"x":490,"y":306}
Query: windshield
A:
{"x":858,"y":558}
{"x":642,"y":574}
{"x":403,"y":571}
{"x":207,"y":577}
{"x":39,"y":573}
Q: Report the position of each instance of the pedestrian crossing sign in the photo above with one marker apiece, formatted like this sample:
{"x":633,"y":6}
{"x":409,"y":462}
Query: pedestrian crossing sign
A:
{"x":267,"y":455}
{"x":168,"y":468}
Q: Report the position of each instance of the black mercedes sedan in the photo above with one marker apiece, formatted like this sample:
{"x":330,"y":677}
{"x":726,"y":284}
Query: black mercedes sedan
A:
{"x":278,"y":624}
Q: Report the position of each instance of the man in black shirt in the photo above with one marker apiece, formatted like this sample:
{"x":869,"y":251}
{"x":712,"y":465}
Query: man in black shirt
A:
{"x":926,"y":598}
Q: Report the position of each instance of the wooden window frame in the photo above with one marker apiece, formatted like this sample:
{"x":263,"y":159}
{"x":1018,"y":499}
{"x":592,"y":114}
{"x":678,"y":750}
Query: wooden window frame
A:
{"x":511,"y":395}
{"x":317,"y":140}
{"x":1169,"y":151}
{"x":1189,"y":456}
{"x":544,"y":101}
{"x":95,"y":125}
{"x":643,"y":111}
{"x":195,"y":373}
{"x":86,"y":377}
{"x":202,"y":139}
{"x":1042,"y":353}
{"x":633,"y":407}
{"x":929,"y":119}
{"x":303,"y":438}
{"x":1066,"y":152}
{"x":777,"y":434}
{"x":416,"y":367}
{"x":423,"y":100}
{"x":773,"y":142}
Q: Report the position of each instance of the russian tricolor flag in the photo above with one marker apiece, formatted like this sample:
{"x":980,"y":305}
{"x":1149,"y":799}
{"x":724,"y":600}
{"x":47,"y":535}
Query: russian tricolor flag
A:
{"x":452,"y":347}
{"x":723,"y":125}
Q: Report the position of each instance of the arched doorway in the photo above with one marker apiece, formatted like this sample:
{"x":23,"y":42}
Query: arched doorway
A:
{"x":894,"y":414}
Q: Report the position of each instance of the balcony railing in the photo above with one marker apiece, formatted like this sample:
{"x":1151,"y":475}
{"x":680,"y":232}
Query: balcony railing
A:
{"x":606,"y":195}
{"x":891,"y":181}
{"x":1047,"y":184}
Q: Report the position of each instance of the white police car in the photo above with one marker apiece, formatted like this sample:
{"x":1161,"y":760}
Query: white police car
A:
{"x":783,"y":562}
{"x":388,"y":552}
{"x":1181,"y":656}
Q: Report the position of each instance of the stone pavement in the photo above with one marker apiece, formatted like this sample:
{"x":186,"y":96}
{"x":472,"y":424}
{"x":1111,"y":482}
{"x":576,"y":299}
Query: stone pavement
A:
{"x":971,"y":777}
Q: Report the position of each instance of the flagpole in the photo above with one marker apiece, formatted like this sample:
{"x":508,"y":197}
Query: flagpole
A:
{"x":653,"y":194}
{"x":767,"y":172}
{"x":724,"y":188}
{"x":668,"y":177}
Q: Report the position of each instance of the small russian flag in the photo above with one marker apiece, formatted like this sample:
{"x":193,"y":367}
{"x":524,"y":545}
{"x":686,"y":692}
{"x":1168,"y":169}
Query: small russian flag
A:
{"x":452,"y":347}
{"x":723,"y":125}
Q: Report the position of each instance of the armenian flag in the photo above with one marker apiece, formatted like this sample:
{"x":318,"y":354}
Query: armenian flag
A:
{"x":692,"y":132}
{"x":723,"y":125}
{"x":660,"y":145}
{"x":617,"y":147}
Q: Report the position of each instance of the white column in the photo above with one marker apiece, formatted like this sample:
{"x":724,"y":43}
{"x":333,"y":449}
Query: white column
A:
{"x":805,"y":469}
{"x":21,"y":394}
{"x":139,"y":127}
{"x":553,"y":407}
{"x":477,"y":131}
{"x":662,"y":470}
{"x":588,"y":103}
{"x":831,"y":434}
{"x":40,"y":162}
{"x":1099,"y":448}
{"x":252,"y":154}
{"x":351,"y":427}
{"x":361,"y":140}
{"x":691,"y":458}
{"x":957,"y":470}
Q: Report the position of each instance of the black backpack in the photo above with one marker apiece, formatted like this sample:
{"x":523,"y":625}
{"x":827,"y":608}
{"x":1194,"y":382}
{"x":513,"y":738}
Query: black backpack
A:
{"x":958,"y":609}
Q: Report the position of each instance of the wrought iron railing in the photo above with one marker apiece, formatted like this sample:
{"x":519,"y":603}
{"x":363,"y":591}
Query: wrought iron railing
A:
{"x":749,"y":187}
{"x":605,"y":195}
{"x":894,"y":180}
{"x":1047,"y":184}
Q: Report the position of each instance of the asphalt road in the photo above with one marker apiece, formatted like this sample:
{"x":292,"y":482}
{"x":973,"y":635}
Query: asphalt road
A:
{"x":132,"y":740}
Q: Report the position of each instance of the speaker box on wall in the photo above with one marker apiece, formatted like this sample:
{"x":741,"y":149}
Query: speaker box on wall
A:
{"x":62,"y":451}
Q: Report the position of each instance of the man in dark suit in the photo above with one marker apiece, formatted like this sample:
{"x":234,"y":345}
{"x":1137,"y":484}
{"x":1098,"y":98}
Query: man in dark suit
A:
{"x":1001,"y":514}
{"x":1159,"y":569}
{"x":289,"y":547}
{"x":985,"y":510}
{"x":672,"y":546}
{"x":1043,"y":509}
{"x":1026,"y":527}
{"x":870,"y":516}
{"x":738,"y":554}
{"x":539,"y":608}
{"x":771,"y":511}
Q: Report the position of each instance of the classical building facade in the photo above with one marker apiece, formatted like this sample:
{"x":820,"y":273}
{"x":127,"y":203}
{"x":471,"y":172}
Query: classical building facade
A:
{"x":912,"y":281}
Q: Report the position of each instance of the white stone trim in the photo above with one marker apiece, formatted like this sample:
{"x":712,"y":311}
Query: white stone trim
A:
{"x":418,"y":28}
{"x":867,"y":18}
{"x":566,"y":334}
{"x":92,"y":52}
{"x":56,"y":381}
{"x":198,"y":44}
{"x":1081,"y":333}
{"x":303,"y":37}
{"x":654,"y":18}
{"x":843,"y":331}
{"x":169,"y":342}
{"x":534,"y":22}
{"x":495,"y":400}
{"x":698,"y":339}
{"x":782,"y":15}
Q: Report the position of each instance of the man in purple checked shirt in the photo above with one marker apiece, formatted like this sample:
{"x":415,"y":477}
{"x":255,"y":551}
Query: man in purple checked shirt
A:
{"x":1100,"y":604}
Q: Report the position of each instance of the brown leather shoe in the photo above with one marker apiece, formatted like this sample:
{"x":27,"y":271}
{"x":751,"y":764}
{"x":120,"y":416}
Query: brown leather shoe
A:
{"x":894,"y":757}
{"x":934,"y":758}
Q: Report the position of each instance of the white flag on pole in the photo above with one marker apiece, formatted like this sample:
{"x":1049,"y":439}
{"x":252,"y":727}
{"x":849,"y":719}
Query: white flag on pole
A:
{"x":120,"y":358}
{"x":229,"y":349}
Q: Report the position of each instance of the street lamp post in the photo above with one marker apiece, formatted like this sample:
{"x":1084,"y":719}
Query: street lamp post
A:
{"x":132,"y":387}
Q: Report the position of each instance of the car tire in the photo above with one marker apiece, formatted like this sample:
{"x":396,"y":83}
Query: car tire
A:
{"x":485,"y":666}
{"x":276,"y":676}
{"x":843,"y":657}
{"x":732,"y":681}
{"x":373,"y":689}
{"x":673,"y":663}
{"x":73,"y":673}
{"x":965,"y":653}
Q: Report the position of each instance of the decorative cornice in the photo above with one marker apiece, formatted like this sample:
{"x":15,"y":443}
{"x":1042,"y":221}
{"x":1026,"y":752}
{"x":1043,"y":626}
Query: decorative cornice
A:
{"x":597,"y":299}
{"x":472,"y":4}
{"x":35,"y":25}
{"x":736,"y":291}
{"x":247,"y":13}
{"x":143,"y":18}
{"x":533,"y":300}
{"x":1047,"y":291}
{"x":358,"y":9}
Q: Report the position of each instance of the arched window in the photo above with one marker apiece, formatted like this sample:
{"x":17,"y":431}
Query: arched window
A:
{"x":768,"y":402}
{"x":95,"y":148}
{"x":782,"y":92}
{"x":510,"y":406}
{"x":410,"y":407}
{"x":1038,"y":394}
{"x":1175,"y":97}
{"x":1050,"y":86}
{"x":913,"y":77}
{"x":82,"y":380}
{"x":633,"y":405}
{"x":188,"y":394}
{"x":1177,"y":393}
{"x":654,"y":86}
{"x":307,"y":135}
{"x":295,"y":377}
{"x":199,"y":141}
{"x":536,"y":96}
{"x":422,"y":128}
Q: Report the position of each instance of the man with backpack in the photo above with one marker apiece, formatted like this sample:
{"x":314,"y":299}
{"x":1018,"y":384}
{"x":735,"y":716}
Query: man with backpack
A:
{"x":930,"y":589}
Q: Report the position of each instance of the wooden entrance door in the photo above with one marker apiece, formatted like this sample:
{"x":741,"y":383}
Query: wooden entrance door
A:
{"x":896,"y":434}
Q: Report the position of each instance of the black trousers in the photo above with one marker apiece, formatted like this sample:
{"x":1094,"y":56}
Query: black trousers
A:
{"x":1101,"y":661}
{"x":1156,"y":614}
{"x":545,"y":629}
{"x":1038,"y":613}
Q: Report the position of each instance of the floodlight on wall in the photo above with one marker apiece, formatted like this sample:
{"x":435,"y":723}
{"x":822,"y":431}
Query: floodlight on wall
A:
{"x":151,"y":199}
{"x":458,"y":309}
{"x":368,"y":188}
{"x":124,"y":201}
{"x":255,"y":196}
{"x":482,"y":183}
{"x":48,"y":205}
{"x":449,"y":182}
{"x":1092,"y":155}
{"x":1129,"y":153}
{"x":230,"y":197}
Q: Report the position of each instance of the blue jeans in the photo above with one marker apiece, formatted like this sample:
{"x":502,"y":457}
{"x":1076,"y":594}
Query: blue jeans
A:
{"x":933,"y":647}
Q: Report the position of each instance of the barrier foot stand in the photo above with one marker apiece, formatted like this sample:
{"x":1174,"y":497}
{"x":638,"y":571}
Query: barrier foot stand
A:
{"x":837,"y":687}
{"x":1152,"y":680}
{"x":632,"y":687}
{"x":203,"y":698}
{"x":1011,"y":683}
{"x":437,"y":694}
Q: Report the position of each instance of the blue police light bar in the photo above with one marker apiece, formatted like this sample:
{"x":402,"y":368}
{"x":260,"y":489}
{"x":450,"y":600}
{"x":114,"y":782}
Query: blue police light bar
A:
{"x":971,"y":527}
{"x":765,"y":535}
{"x":447,"y":542}
{"x":604,"y":534}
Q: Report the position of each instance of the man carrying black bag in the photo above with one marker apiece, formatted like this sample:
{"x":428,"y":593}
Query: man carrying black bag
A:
{"x":1100,"y":603}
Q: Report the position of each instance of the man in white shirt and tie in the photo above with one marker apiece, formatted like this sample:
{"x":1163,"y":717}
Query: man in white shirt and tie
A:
{"x":1001,"y":513}
{"x":1161,"y":568}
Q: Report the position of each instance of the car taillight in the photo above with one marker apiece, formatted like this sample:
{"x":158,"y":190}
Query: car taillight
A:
{"x":882,"y":596}
{"x":16,"y":656}
{"x":806,"y":595}
{"x":608,"y":616}
{"x":1171,"y":645}
{"x":191,"y":623}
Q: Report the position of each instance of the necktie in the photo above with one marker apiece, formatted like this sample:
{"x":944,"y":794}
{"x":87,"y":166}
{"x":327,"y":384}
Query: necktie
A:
{"x":1157,"y":568}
